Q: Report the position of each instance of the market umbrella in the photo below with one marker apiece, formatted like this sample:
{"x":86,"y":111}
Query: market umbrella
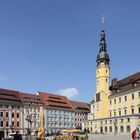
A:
{"x":41,"y":131}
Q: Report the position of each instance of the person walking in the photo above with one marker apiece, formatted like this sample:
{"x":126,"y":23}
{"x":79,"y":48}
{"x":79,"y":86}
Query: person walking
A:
{"x":17,"y":136}
{"x":136,"y":134}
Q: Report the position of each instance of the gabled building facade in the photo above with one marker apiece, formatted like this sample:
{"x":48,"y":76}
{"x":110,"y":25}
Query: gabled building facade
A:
{"x":81,"y":111}
{"x":20,"y":111}
{"x":124,"y":103}
{"x":30,"y":111}
{"x":10,"y":111}
{"x":59,"y":113}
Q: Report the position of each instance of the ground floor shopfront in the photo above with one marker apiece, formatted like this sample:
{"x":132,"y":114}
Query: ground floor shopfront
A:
{"x":123,"y":124}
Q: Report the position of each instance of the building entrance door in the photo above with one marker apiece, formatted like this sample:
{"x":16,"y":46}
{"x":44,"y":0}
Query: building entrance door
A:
{"x":1,"y":135}
{"x":101,"y":129}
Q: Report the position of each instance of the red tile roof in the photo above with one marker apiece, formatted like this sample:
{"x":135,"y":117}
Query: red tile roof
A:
{"x":9,"y":95}
{"x":30,"y":98}
{"x":128,"y":83}
{"x":55,"y":101}
{"x":80,"y":106}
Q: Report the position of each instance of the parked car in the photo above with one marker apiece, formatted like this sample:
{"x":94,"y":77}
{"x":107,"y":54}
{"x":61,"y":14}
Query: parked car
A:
{"x":10,"y":136}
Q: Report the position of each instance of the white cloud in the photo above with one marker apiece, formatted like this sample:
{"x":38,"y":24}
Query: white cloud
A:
{"x":69,"y":92}
{"x":3,"y":77}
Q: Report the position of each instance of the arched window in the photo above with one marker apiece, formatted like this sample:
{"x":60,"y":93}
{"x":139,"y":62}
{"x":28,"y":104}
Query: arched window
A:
{"x":121,"y":129}
{"x":101,"y":130}
{"x":128,"y":129}
{"x":116,"y":129}
{"x":91,"y":129}
{"x":105,"y":129}
{"x":110,"y":129}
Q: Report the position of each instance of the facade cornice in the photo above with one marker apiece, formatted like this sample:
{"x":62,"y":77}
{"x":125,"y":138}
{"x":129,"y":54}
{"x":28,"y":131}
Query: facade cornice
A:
{"x":117,"y":117}
{"x":124,"y":93}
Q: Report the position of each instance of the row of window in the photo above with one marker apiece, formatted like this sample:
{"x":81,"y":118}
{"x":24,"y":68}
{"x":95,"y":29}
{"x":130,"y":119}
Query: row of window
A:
{"x":59,"y":125}
{"x":116,"y":121}
{"x":125,"y":98}
{"x":7,"y":106}
{"x":7,"y":124}
{"x":79,"y":120}
{"x":109,"y":121}
{"x":78,"y":124}
{"x":98,"y":71}
{"x":110,"y":129}
{"x":7,"y":114}
{"x":59,"y":118}
{"x":59,"y":112}
{"x":33,"y":109}
{"x":125,"y":112}
{"x":34,"y":125}
{"x":13,"y":123}
{"x":80,"y":114}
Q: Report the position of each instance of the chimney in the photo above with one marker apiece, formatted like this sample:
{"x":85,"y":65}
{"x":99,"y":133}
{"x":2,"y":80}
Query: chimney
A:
{"x":114,"y":81}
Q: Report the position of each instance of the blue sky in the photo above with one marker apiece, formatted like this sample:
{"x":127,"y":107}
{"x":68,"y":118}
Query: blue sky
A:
{"x":51,"y":45}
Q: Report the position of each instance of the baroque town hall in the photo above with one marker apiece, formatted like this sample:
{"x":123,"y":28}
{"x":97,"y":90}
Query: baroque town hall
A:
{"x":116,"y":107}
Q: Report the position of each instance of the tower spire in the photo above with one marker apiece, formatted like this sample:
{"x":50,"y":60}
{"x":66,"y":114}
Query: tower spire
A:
{"x":103,"y":21}
{"x":102,"y":55}
{"x":102,"y":77}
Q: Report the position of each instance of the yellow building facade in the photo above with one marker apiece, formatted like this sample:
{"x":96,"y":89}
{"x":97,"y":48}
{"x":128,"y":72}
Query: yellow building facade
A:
{"x":116,"y":107}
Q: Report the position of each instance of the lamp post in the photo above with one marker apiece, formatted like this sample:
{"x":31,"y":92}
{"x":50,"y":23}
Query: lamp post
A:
{"x":28,"y":118}
{"x":115,"y":122}
{"x":11,"y":128}
{"x":10,"y":119}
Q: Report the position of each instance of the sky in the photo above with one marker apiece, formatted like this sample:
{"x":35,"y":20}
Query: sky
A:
{"x":51,"y":45}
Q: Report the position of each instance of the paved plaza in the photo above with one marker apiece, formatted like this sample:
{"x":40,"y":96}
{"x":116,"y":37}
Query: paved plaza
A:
{"x":106,"y":137}
{"x":110,"y":137}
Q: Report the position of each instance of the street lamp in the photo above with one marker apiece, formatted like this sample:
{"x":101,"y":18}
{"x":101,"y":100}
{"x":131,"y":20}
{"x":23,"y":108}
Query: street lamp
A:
{"x":115,"y":122}
{"x":11,"y":128}
{"x":28,"y":119}
{"x":10,"y":117}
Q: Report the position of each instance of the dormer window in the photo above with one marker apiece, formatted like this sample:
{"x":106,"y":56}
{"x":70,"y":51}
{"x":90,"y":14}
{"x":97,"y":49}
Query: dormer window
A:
{"x":110,"y":102}
{"x":133,"y":82}
{"x":101,"y":122}
{"x":118,"y":90}
{"x":119,"y":99}
{"x":125,"y":98}
{"x":132,"y":96}
{"x":114,"y":101}
{"x":139,"y":94}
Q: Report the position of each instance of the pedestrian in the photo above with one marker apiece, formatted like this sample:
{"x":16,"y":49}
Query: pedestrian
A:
{"x":75,"y":137}
{"x":136,"y":134}
{"x":86,"y":136}
{"x":17,"y":136}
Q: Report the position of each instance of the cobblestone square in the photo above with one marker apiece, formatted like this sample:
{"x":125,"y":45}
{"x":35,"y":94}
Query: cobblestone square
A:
{"x":110,"y":137}
{"x":106,"y":137}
